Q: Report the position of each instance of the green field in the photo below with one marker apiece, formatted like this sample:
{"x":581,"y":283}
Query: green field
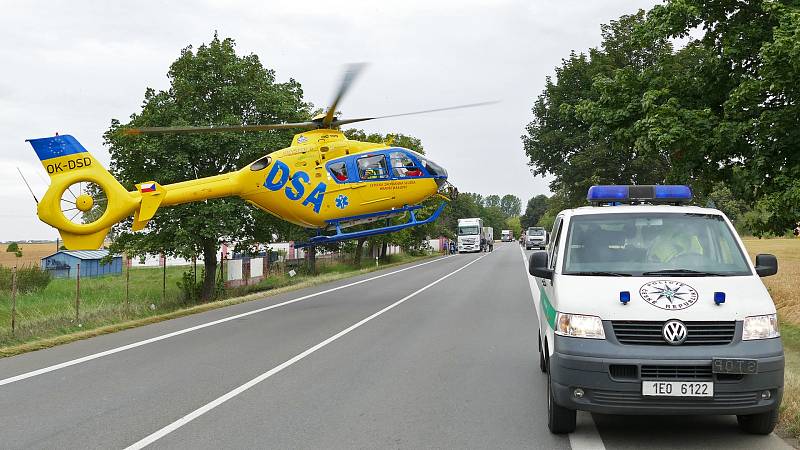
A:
{"x":51,"y":312}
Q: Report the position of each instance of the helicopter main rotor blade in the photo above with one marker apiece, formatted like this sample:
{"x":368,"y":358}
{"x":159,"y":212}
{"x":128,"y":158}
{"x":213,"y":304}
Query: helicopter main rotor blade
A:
{"x":350,"y":75}
{"x":220,"y":128}
{"x":337,"y":123}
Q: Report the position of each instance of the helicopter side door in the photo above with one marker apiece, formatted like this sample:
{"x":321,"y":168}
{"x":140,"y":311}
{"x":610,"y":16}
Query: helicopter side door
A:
{"x":378,"y":179}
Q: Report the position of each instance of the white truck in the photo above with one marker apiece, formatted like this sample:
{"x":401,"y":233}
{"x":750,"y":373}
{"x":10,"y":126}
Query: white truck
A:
{"x":507,"y":236}
{"x":488,"y":236}
{"x":471,"y":236}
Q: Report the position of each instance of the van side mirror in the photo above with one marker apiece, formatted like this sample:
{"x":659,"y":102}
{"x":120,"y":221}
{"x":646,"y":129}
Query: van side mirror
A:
{"x":766,"y":265}
{"x":537,"y":265}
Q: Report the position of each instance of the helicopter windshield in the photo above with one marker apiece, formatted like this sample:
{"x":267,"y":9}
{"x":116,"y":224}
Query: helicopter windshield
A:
{"x":432,"y":168}
{"x":403,"y":166}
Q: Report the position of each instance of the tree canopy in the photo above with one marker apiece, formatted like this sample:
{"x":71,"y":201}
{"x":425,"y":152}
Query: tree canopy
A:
{"x":210,"y":85}
{"x":721,"y":108}
{"x":536,"y":208}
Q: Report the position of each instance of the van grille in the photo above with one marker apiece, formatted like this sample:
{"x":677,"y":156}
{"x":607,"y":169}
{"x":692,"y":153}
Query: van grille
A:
{"x":649,"y":332}
{"x":676,"y":372}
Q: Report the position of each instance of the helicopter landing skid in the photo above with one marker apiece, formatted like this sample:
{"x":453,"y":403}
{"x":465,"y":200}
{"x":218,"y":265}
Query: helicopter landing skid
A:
{"x":341,"y":236}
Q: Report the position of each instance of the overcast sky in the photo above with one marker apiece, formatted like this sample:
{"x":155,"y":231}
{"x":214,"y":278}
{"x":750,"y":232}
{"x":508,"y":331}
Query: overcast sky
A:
{"x":72,"y":66}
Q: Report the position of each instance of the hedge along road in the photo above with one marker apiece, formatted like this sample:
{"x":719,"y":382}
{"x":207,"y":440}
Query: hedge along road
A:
{"x":441,"y":355}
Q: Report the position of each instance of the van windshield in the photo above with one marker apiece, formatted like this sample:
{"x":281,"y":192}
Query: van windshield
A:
{"x":467,"y":229}
{"x":535,"y":232}
{"x":638,"y":244}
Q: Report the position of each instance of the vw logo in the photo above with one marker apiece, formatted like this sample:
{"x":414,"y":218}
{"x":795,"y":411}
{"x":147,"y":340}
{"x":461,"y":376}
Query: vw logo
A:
{"x":674,"y":332}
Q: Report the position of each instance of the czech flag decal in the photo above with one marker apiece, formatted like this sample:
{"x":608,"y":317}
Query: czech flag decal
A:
{"x":148,"y":187}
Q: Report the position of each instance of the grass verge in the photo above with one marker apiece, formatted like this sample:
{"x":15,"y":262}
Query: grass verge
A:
{"x":60,"y":328}
{"x":790,"y":407}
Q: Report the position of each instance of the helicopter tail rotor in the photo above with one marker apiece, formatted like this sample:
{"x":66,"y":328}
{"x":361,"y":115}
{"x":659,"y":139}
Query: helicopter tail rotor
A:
{"x":84,"y":200}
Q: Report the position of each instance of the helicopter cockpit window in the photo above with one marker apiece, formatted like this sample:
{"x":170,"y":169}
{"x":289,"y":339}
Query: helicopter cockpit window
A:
{"x":372,"y":168}
{"x":433,"y":168}
{"x":338,"y":171}
{"x":403,"y":166}
{"x":260,"y":164}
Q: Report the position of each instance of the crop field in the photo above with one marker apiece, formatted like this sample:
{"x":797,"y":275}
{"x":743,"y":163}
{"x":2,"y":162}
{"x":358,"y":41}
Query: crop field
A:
{"x":785,"y":291}
{"x":31,"y":254}
{"x":785,"y":286}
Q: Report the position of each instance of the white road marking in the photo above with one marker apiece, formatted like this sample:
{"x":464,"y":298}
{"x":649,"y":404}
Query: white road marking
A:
{"x":133,"y":345}
{"x":220,"y":400}
{"x":585,"y":436}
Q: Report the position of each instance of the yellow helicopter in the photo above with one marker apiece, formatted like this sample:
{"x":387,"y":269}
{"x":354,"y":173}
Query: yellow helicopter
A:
{"x":322,"y":181}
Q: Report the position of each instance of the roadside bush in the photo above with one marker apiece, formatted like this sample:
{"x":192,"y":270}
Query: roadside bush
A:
{"x":190,"y":291}
{"x":29,"y":279}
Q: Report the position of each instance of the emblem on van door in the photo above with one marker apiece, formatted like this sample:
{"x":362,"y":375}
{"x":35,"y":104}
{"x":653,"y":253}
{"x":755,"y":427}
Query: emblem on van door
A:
{"x":666,"y":294}
{"x":674,"y":332}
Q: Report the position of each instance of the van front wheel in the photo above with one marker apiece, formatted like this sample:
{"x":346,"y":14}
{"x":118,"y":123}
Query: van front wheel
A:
{"x":762,"y":423}
{"x":560,"y":420}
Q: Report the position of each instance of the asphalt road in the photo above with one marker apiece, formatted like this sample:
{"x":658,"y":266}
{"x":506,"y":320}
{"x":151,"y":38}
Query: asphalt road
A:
{"x":441,"y":354}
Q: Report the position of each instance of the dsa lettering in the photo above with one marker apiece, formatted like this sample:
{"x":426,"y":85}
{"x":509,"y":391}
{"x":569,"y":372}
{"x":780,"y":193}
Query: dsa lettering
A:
{"x":294,"y":187}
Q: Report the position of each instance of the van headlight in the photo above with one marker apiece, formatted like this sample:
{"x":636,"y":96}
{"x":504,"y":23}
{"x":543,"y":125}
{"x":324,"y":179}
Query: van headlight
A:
{"x":760,"y":327}
{"x":578,"y":325}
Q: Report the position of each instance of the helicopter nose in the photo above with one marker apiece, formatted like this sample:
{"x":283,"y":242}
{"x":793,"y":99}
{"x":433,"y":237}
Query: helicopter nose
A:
{"x":436,"y":170}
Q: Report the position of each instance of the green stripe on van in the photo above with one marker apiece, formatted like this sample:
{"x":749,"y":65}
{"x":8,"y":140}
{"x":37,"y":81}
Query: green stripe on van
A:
{"x":547,"y":307}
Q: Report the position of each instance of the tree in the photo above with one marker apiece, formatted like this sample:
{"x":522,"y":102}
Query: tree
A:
{"x":721,"y":108}
{"x":756,"y":135}
{"x":15,"y":249}
{"x":511,"y":205}
{"x":513,"y":223}
{"x":491,"y":201}
{"x":211,"y":85}
{"x":587,"y":125}
{"x":466,"y":205}
{"x":536,"y":208}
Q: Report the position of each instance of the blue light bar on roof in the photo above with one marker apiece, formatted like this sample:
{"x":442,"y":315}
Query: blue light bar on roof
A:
{"x":674,"y":192}
{"x":639,"y":193}
{"x":607,"y":193}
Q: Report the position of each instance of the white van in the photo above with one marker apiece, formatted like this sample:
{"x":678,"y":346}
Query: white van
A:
{"x":647,"y":306}
{"x":535,"y":237}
